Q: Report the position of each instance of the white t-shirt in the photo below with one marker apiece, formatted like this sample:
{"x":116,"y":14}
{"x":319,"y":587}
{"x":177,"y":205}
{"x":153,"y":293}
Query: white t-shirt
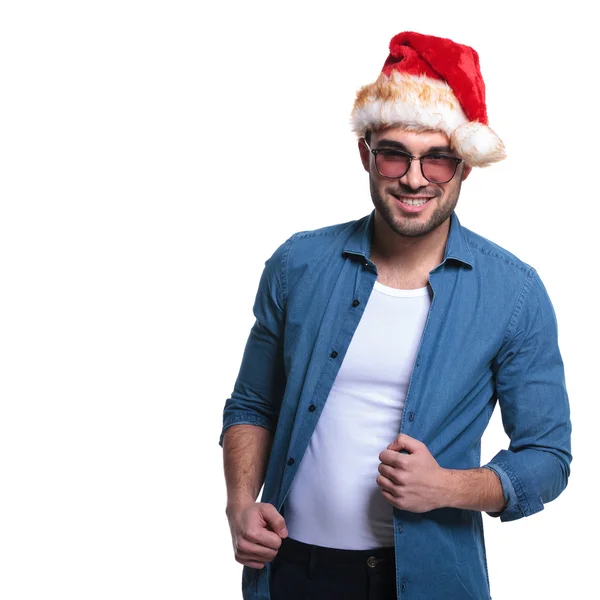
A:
{"x":334,"y":500}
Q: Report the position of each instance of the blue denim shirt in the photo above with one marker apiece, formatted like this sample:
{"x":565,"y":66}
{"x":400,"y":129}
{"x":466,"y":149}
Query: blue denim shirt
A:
{"x":490,"y":335}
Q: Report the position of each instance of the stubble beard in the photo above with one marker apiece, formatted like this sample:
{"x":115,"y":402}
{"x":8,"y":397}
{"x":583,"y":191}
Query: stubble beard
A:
{"x":408,"y":227}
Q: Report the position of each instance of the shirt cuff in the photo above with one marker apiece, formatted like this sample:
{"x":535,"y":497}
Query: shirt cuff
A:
{"x":510,"y":498}
{"x":520,"y":487}
{"x":244,"y":418}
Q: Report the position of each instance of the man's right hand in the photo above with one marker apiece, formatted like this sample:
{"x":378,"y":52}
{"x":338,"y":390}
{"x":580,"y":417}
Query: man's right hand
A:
{"x":256,"y":532}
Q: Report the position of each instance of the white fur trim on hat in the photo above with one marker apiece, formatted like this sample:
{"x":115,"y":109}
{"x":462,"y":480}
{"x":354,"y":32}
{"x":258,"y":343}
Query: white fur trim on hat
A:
{"x":421,"y":103}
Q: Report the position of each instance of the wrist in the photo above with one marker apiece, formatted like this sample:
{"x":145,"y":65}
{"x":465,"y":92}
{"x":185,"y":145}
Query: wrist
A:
{"x":235,"y":505}
{"x":448,"y":489}
{"x":473,"y":489}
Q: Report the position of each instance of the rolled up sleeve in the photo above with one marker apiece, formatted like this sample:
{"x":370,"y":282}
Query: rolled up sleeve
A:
{"x":260,"y":384}
{"x":533,"y":400}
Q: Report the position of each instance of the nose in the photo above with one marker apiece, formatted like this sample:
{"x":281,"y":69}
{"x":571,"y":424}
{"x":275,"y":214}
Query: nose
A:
{"x":413,"y":178}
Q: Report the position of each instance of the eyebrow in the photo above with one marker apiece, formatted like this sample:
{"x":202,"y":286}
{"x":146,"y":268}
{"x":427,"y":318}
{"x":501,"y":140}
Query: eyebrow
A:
{"x":400,"y":146}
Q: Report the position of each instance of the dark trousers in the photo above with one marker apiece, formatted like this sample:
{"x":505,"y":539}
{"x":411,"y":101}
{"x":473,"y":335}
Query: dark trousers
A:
{"x":306,"y":572}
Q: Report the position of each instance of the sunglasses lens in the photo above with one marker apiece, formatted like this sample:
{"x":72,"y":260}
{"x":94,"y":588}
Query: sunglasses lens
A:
{"x":392,"y":164}
{"x":439,"y":169}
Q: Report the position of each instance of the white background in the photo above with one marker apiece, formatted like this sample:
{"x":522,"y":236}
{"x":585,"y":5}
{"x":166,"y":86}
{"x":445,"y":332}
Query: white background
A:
{"x":152,"y":157}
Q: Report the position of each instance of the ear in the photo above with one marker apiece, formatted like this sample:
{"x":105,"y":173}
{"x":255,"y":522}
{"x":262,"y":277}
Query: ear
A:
{"x":466,"y":171}
{"x":365,"y":155}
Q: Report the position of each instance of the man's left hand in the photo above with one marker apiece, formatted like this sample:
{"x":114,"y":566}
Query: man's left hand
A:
{"x":413,"y":481}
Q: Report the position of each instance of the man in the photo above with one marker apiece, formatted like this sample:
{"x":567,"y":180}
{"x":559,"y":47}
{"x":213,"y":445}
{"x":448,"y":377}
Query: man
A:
{"x":379,"y":351}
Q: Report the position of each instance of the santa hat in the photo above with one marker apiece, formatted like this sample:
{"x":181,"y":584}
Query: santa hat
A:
{"x":431,"y":83}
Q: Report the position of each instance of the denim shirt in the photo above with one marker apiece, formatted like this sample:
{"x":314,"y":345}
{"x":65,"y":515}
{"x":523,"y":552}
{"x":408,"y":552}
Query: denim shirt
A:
{"x":490,"y":335}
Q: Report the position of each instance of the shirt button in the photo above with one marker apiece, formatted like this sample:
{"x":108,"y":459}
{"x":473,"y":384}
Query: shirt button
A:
{"x":355,"y":303}
{"x":333,"y":354}
{"x":399,"y":528}
{"x":403,"y":587}
{"x":291,"y":461}
{"x":411,"y":416}
{"x":312,"y":408}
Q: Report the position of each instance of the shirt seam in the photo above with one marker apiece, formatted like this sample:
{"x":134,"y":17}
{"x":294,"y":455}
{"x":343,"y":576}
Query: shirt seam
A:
{"x":517,"y":311}
{"x":309,"y":234}
{"x":284,"y":269}
{"x":521,"y":266}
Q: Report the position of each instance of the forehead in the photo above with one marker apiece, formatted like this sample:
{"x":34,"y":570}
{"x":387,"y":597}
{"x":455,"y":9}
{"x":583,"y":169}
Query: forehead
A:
{"x":412,"y":139}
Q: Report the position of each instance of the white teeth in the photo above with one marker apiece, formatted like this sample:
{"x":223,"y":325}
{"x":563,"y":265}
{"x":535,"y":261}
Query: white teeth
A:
{"x":414,"y":202}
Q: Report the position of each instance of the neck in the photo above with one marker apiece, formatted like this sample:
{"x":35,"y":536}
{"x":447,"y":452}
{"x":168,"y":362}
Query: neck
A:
{"x":412,"y":257}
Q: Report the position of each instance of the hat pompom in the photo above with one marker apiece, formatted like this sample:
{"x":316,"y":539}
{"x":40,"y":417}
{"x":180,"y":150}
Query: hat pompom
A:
{"x":477,"y":144}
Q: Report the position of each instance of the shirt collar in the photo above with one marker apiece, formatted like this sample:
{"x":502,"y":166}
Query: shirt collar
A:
{"x":456,"y":246}
{"x":360,"y":241}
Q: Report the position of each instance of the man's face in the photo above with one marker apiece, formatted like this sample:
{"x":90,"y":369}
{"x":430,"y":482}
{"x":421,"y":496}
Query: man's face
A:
{"x":400,"y":201}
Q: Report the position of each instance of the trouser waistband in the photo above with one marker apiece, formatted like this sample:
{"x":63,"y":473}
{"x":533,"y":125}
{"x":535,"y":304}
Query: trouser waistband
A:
{"x":333,"y":558}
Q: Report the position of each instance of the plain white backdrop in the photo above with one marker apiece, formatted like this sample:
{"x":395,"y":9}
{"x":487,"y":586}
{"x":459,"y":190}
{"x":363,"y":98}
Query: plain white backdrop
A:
{"x":152,"y":157}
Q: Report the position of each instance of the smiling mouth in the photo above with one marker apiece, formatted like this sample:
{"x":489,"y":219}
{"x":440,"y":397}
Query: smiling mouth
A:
{"x":413,"y":200}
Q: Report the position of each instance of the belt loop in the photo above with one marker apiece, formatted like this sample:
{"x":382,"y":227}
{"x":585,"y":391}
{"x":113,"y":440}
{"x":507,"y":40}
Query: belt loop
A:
{"x":312,"y":561}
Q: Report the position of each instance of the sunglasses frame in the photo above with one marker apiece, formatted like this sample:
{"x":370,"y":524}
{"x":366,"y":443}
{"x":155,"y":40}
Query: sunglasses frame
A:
{"x":376,"y":151}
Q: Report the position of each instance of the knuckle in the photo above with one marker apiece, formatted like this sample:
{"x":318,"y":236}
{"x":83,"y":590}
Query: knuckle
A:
{"x":250,"y":537}
{"x":244,"y":532}
{"x":253,"y":531}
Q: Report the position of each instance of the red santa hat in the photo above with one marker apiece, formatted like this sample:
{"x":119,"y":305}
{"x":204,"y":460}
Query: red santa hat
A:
{"x":431,"y":83}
